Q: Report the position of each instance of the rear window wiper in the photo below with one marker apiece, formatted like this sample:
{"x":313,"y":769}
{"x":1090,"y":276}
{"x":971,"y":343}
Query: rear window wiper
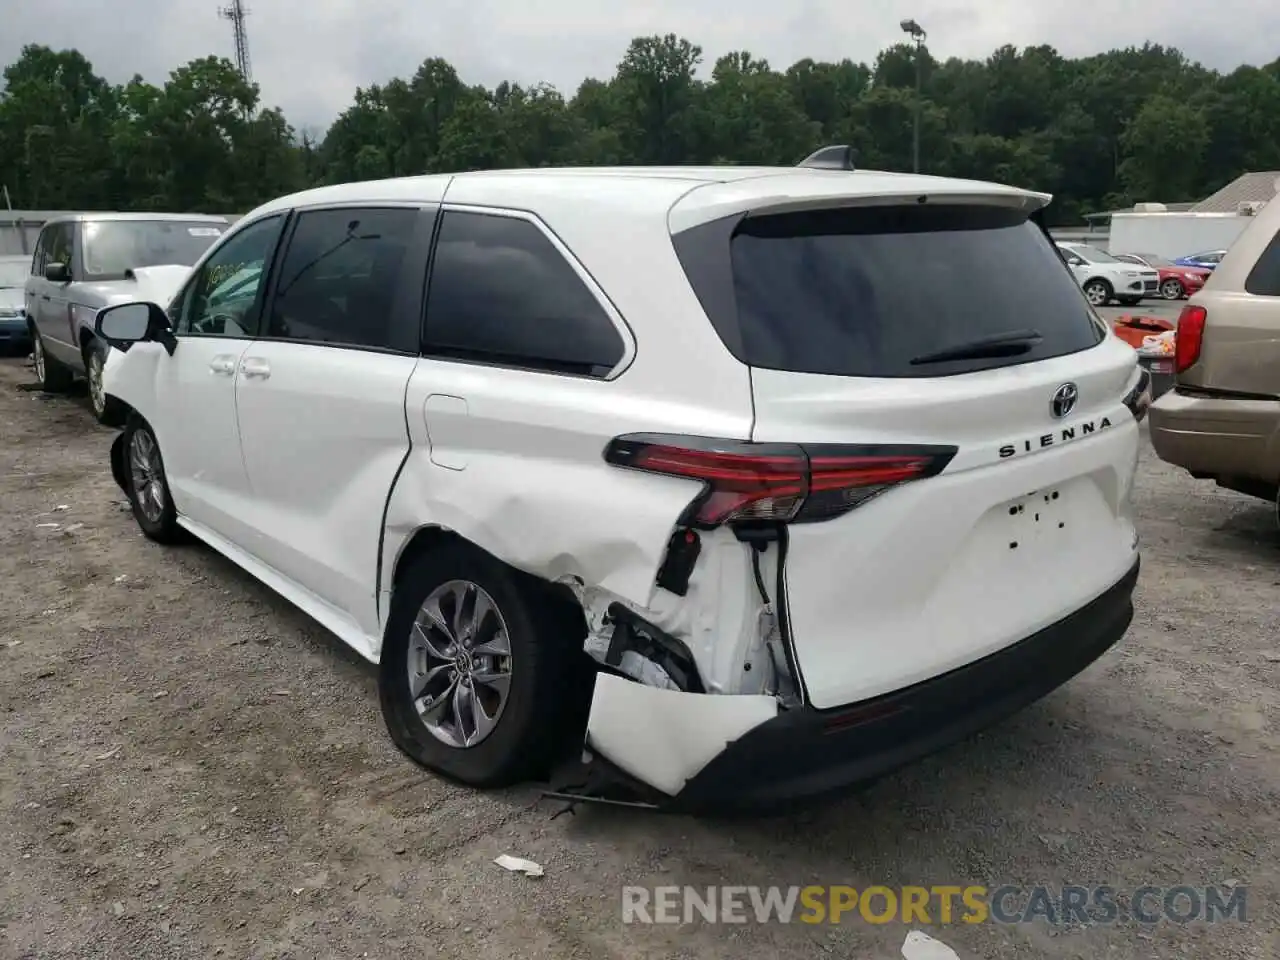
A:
{"x":1009,"y":344}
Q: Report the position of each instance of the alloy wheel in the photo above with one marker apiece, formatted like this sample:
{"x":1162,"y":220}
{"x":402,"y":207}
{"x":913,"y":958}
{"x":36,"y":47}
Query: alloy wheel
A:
{"x":459,"y":661}
{"x":147,"y":475}
{"x":1097,"y":294}
{"x":1171,"y":289}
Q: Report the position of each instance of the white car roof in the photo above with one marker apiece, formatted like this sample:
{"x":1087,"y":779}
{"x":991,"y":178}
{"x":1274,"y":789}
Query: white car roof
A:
{"x":689,"y":196}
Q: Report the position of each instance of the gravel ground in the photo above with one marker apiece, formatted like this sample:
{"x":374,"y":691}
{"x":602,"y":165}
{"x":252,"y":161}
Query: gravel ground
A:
{"x":191,"y":768}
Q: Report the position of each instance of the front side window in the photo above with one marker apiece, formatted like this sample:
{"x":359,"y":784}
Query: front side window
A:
{"x":502,"y":293}
{"x":339,"y":277}
{"x":112,"y":247}
{"x":37,"y":258}
{"x":222,"y":300}
{"x":57,"y":245}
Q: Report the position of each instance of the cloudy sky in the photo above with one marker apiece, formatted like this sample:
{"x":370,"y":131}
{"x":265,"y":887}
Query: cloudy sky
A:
{"x":310,"y":55}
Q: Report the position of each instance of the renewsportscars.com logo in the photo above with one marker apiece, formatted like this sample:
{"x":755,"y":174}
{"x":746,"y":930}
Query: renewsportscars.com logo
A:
{"x":937,"y":904}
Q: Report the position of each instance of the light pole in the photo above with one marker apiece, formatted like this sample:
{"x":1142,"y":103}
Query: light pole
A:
{"x":916,"y":32}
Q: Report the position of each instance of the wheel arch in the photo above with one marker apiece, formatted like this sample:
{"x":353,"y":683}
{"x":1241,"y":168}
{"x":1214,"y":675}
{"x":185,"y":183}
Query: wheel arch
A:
{"x":433,"y":537}
{"x":118,"y":469}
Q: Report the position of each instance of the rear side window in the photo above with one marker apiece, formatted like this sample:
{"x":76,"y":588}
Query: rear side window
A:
{"x":862,"y":292}
{"x":502,"y":293}
{"x":338,"y":280}
{"x":1264,"y":278}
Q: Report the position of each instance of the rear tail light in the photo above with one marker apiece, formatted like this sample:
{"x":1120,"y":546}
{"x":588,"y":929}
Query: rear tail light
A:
{"x":1190,"y":335}
{"x":776,"y":482}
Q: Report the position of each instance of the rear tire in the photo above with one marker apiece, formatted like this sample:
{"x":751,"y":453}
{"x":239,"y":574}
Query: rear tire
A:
{"x":1098,"y":292}
{"x":523,"y":725}
{"x":147,"y":485}
{"x":107,"y":410}
{"x":52,"y":376}
{"x":1172,"y":289}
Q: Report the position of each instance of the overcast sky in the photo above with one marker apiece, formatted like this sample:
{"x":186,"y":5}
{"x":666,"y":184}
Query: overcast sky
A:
{"x":310,"y":55}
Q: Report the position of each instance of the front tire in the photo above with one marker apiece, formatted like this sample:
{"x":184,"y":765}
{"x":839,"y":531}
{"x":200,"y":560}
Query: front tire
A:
{"x":1172,"y":289}
{"x":482,"y":676}
{"x":1098,"y":292}
{"x":106,"y":410}
{"x":52,"y":376}
{"x":147,"y":485}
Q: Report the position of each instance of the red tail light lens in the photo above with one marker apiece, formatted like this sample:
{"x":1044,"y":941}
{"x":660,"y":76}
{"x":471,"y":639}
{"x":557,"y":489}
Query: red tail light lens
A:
{"x":1190,"y":335}
{"x":778,"y":482}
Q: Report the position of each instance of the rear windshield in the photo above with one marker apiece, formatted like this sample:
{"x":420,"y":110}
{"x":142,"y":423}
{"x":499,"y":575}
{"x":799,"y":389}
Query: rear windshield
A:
{"x":113,"y":246}
{"x":862,"y":292}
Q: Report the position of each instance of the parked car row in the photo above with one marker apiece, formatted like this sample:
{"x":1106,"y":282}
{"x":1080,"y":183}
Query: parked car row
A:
{"x":1176,"y":281}
{"x":14,"y":335}
{"x":1104,"y":278}
{"x":1127,"y":278}
{"x":88,"y":261}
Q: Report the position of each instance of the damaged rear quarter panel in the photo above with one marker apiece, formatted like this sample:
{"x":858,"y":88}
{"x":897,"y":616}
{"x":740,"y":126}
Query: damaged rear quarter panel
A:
{"x":524,"y":475}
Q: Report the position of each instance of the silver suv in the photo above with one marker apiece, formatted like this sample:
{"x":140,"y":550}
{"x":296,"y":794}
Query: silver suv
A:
{"x":92,"y":260}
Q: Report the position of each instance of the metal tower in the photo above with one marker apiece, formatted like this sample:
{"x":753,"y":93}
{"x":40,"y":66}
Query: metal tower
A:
{"x":237,"y":13}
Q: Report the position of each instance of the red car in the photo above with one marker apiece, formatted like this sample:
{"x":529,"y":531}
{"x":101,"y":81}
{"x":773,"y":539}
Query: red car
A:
{"x":1175,"y":282}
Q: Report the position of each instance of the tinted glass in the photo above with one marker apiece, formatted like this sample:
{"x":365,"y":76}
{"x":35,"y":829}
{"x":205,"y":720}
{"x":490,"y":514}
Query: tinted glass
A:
{"x":113,"y":246}
{"x":1264,"y":278}
{"x":862,"y":292}
{"x":501,"y":292}
{"x":58,"y":244}
{"x":1093,"y":254}
{"x":13,"y":273}
{"x":339,"y":278}
{"x":222,"y":300}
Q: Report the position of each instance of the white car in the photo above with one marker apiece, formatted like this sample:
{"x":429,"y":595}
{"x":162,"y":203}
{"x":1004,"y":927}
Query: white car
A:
{"x":1103,"y":278}
{"x":758,"y":479}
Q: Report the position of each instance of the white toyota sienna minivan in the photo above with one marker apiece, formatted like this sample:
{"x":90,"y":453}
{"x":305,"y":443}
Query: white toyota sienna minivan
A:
{"x":760,"y":482}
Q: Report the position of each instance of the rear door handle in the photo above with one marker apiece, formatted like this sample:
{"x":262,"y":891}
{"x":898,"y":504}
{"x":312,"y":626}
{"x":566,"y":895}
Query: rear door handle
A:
{"x":224,"y":364}
{"x":255,"y":367}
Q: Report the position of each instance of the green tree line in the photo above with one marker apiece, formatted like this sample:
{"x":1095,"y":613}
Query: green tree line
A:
{"x":1099,"y":132}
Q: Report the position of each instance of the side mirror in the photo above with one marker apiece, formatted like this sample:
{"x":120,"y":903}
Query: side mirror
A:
{"x":1076,"y":261}
{"x":125,"y":324}
{"x":57,"y":273}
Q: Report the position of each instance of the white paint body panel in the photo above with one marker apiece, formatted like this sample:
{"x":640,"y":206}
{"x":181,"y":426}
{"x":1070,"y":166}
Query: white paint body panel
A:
{"x":663,"y":737}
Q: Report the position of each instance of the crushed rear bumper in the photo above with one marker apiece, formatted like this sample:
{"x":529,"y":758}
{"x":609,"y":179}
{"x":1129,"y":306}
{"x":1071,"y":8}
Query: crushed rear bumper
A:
{"x":751,"y":758}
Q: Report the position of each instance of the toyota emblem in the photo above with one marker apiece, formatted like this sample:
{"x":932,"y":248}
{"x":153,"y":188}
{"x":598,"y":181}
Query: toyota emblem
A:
{"x":1064,"y":400}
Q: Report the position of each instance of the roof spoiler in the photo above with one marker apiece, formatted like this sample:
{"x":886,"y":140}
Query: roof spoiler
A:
{"x":836,"y":157}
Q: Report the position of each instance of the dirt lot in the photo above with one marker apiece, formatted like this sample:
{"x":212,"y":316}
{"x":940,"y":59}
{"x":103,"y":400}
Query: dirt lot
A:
{"x":191,"y":768}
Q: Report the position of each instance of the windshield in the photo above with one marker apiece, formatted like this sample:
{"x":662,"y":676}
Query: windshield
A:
{"x":113,"y":246}
{"x":1093,"y":254}
{"x":13,"y":273}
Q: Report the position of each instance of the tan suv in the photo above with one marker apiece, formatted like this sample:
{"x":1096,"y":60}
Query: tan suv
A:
{"x":1221,"y":421}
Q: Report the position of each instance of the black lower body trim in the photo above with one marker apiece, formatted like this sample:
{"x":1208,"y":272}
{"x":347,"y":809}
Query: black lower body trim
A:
{"x":807,"y":754}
